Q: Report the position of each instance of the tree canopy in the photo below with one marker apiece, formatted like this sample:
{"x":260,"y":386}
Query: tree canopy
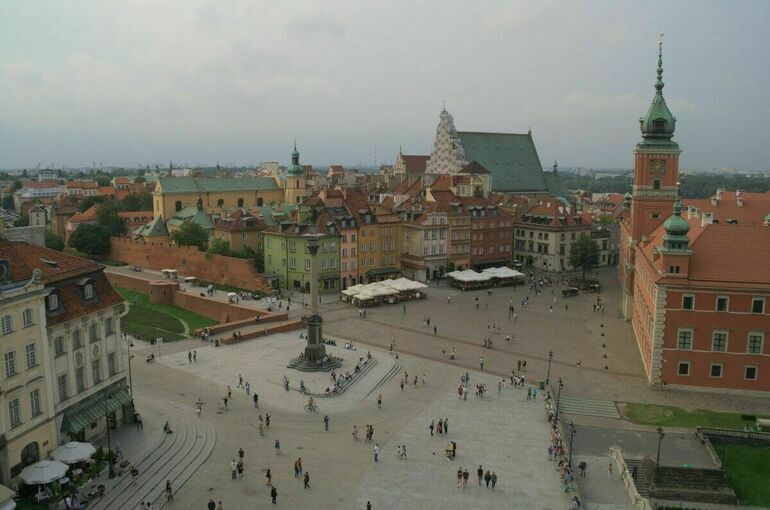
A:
{"x":53,"y":241}
{"x":584,"y":254}
{"x":190,"y":234}
{"x":107,"y":216}
{"x":219,"y":247}
{"x":93,"y":240}
{"x":89,"y":201}
{"x":137,"y":202}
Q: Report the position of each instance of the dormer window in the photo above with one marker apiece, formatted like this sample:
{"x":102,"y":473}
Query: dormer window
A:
{"x":5,"y":270}
{"x":87,"y":289}
{"x":53,"y":302}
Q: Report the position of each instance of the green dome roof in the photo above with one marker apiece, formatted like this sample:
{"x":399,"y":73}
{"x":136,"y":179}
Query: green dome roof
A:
{"x":658,"y":123}
{"x":676,"y":225}
{"x":295,"y":168}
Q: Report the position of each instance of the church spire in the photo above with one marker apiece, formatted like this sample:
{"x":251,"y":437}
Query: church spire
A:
{"x":658,"y":124}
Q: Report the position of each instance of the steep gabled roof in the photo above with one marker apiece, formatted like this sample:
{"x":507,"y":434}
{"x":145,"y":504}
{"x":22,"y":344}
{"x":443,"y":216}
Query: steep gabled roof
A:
{"x":511,"y":158}
{"x":203,"y":185}
{"x":415,"y":164}
{"x":155,"y":228}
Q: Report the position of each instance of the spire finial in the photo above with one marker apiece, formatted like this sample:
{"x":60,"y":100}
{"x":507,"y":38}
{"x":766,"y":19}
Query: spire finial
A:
{"x":443,"y":108}
{"x":659,"y":82}
{"x":295,"y":143}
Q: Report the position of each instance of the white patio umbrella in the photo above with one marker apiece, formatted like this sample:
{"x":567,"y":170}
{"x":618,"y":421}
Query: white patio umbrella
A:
{"x":73,"y":452}
{"x":44,"y":471}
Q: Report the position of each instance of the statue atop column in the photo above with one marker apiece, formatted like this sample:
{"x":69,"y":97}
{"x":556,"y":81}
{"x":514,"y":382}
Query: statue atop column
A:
{"x":314,"y":357}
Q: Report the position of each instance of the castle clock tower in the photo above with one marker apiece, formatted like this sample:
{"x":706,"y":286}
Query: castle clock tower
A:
{"x":656,"y":164}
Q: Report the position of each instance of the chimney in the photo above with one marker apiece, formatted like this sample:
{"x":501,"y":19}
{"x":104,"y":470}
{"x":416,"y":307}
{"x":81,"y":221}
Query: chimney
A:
{"x":719,"y":193}
{"x":739,"y":201}
{"x":714,"y":200}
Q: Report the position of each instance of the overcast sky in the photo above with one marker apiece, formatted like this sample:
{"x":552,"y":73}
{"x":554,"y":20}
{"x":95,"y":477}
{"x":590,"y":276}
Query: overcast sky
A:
{"x":125,"y":83}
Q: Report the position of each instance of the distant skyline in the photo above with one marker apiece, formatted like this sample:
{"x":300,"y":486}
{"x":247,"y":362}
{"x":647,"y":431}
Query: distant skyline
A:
{"x":128,"y":83}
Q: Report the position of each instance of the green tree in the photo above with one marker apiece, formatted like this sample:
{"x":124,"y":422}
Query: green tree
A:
{"x":23,"y":221}
{"x":219,"y":247}
{"x":8,"y":202}
{"x":53,"y":241}
{"x":137,"y":202}
{"x":190,"y":234}
{"x":103,"y":180}
{"x":93,"y":240}
{"x":107,"y":216}
{"x":24,"y":173}
{"x":584,"y":253}
{"x":16,"y":185}
{"x":89,"y":201}
{"x":140,"y":178}
{"x":259,"y":260}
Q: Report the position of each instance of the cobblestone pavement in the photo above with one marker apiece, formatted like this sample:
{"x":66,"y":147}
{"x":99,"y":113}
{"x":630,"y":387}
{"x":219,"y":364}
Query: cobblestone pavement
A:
{"x":504,"y":433}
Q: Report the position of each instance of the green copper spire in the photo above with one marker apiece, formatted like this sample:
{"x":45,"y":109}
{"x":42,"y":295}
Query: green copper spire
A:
{"x":295,"y":168}
{"x":676,"y":230}
{"x":659,"y":123}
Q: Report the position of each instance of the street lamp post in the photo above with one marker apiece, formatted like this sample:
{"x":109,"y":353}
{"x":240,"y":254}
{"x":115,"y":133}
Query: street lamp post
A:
{"x":572,"y":433}
{"x":661,"y":435}
{"x":109,"y":442}
{"x":303,"y":291}
{"x":130,"y":379}
{"x":558,"y":401}
{"x":550,"y":357}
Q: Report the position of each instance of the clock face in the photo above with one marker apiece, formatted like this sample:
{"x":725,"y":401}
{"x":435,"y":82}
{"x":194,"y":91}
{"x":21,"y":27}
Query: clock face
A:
{"x":657,"y":167}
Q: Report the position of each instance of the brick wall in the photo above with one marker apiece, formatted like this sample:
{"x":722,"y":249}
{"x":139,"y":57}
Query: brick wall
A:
{"x":189,"y":261}
{"x":216,"y":310}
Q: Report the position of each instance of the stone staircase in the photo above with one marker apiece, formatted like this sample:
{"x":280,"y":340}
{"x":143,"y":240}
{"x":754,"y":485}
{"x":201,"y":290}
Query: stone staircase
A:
{"x":601,"y":408}
{"x":397,"y":367}
{"x":176,"y":457}
{"x":641,"y":478}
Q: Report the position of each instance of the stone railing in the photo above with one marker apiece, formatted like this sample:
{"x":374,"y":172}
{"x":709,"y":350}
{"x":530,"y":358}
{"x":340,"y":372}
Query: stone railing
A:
{"x":638,"y":502}
{"x":704,"y":439}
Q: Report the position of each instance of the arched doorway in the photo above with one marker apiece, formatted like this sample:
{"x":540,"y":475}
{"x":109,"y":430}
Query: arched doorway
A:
{"x":30,"y":454}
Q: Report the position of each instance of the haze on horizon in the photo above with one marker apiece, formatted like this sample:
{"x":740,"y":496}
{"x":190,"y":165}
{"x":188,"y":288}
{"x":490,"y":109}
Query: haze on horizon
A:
{"x":141,"y":82}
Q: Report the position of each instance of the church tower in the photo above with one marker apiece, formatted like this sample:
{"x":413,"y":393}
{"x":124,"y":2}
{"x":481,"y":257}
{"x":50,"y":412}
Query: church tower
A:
{"x":295,"y":179}
{"x":447,"y":156}
{"x":656,"y":164}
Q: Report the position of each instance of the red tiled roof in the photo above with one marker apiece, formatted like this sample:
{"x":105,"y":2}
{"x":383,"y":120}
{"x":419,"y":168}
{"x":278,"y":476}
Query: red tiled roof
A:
{"x":81,"y":185}
{"x":754,"y":208}
{"x":67,"y":266}
{"x":87,"y":215}
{"x":559,"y":216}
{"x":707,"y":262}
{"x":20,"y":271}
{"x":122,"y":180}
{"x":415,"y":164}
{"x":237,"y":222}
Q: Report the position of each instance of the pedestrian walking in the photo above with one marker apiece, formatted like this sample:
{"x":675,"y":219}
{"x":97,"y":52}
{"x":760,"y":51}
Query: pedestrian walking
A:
{"x":169,"y":492}
{"x":296,"y":469}
{"x":494,"y":479}
{"x":277,"y":447}
{"x":487,"y":478}
{"x":326,"y":423}
{"x":212,"y":505}
{"x":402,"y":455}
{"x":379,"y":401}
{"x":376,"y":452}
{"x":256,"y":401}
{"x":241,"y":453}
{"x":481,"y":363}
{"x":267,"y":421}
{"x":582,"y":466}
{"x":431,"y":426}
{"x":189,"y":356}
{"x":466,"y":475}
{"x":233,"y":469}
{"x":446,"y":425}
{"x":434,"y":330}
{"x":268,"y":477}
{"x":480,"y":474}
{"x":307,"y":480}
{"x":401,"y":383}
{"x":609,"y":471}
{"x":195,"y":356}
{"x":274,"y":495}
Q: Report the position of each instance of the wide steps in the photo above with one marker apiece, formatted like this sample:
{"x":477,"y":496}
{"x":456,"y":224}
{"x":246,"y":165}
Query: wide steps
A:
{"x":641,"y":477}
{"x":588,"y":407}
{"x":176,"y":458}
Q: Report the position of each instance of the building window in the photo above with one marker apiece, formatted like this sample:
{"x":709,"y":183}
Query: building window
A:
{"x":10,"y":364}
{"x":684,"y":340}
{"x":109,"y":326}
{"x":14,"y":410}
{"x":715,"y":370}
{"x":76,"y":339}
{"x":750,"y":372}
{"x":260,"y":202}
{"x":719,"y":341}
{"x":96,"y":371}
{"x":80,"y":378}
{"x":7,"y":324}
{"x":34,"y":403}
{"x":220,"y":202}
{"x":53,"y":302}
{"x":31,"y":355}
{"x":63,"y":393}
{"x":722,"y":304}
{"x":88,"y":291}
{"x":307,"y":264}
{"x":656,"y":185}
{"x":111,"y":364}
{"x":178,"y":205}
{"x":292,"y":263}
{"x":758,"y":305}
{"x":93,"y":332}
{"x":26,"y":317}
{"x":58,"y":345}
{"x":688,"y":302}
{"x":754,"y":344}
{"x":655,"y":216}
{"x":683,"y":368}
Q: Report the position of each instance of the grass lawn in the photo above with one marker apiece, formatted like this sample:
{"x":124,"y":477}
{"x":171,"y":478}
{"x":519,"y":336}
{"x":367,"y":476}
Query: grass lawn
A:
{"x":148,"y":321}
{"x":747,"y":468}
{"x":666,"y":416}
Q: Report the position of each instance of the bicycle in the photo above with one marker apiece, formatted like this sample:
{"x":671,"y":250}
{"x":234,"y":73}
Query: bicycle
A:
{"x":311,"y":407}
